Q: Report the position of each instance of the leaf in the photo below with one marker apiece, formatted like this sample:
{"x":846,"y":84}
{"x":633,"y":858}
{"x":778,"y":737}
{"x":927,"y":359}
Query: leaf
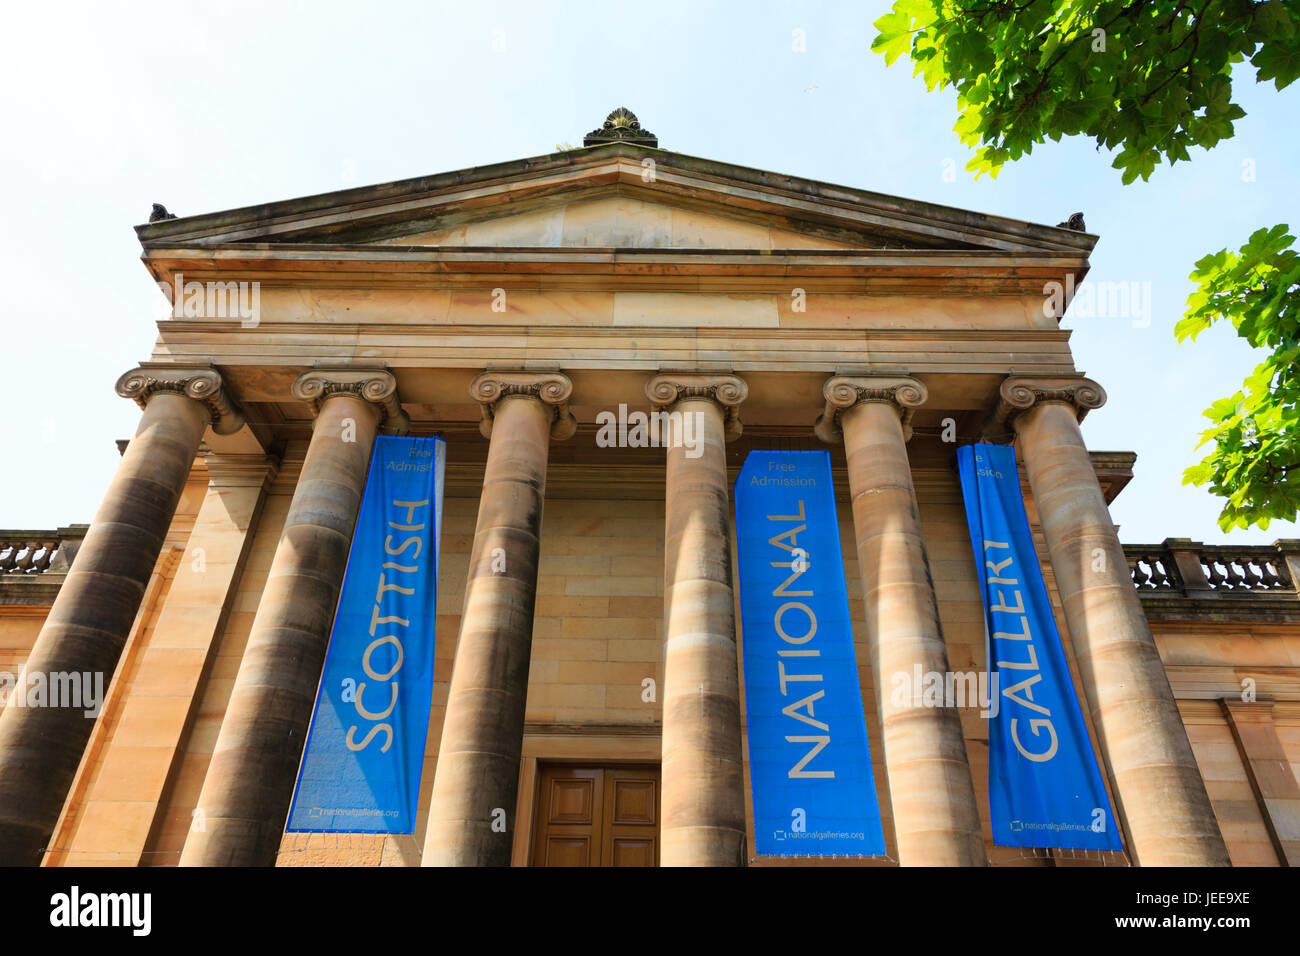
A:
{"x":1277,"y":63}
{"x":1049,"y":47}
{"x":1190,"y":326}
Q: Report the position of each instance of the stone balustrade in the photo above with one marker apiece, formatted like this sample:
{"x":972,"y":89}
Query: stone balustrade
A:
{"x":33,"y":563}
{"x":1237,"y":569}
{"x":1181,"y":578}
{"x":27,"y":552}
{"x":1152,"y":568}
{"x":1181,"y":565}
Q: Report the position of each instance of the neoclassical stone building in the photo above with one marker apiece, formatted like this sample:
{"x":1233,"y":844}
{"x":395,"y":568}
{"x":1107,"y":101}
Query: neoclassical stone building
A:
{"x":593,"y":688}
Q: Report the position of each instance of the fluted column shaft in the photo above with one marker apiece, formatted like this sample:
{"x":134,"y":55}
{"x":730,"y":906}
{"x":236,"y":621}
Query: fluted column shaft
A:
{"x":249,"y":784}
{"x":936,"y":818}
{"x":703,"y":818}
{"x":477,"y":778}
{"x":87,"y":627}
{"x":1158,"y":788}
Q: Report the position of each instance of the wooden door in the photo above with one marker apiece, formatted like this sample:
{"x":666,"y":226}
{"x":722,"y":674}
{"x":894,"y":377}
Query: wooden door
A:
{"x":597,"y":816}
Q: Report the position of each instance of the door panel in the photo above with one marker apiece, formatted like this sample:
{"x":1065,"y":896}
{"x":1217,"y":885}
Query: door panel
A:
{"x":629,"y":852}
{"x":568,"y":851}
{"x":634,"y":801}
{"x":597,"y":816}
{"x":573,"y":801}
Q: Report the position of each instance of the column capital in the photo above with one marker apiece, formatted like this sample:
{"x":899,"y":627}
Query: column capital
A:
{"x":200,"y":382}
{"x":550,"y":388}
{"x":842,"y":392}
{"x":374,"y":385}
{"x":1020,"y":393}
{"x":726,"y":390}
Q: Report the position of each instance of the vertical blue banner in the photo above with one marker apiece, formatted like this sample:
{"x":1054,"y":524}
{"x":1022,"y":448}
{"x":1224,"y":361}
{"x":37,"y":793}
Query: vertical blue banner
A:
{"x":1045,"y":789}
{"x":360,"y":770}
{"x":809,"y":766}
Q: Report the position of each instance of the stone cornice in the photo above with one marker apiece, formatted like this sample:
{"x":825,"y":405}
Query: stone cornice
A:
{"x":842,"y":392}
{"x":1020,"y":393}
{"x":1221,"y":610}
{"x":723,"y":388}
{"x":366,"y":265}
{"x":200,"y":382}
{"x":550,"y":388}
{"x":374,"y":385}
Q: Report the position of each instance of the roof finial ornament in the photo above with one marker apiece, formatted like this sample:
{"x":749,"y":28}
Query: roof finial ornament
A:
{"x":621,"y":126}
{"x":159,"y":213}
{"x":1075,"y":222}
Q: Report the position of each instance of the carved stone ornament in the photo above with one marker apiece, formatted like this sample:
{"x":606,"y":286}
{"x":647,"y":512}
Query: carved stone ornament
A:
{"x":374,"y":385}
{"x":621,"y":126}
{"x":1020,"y":393}
{"x":199,"y":382}
{"x":728,"y":391}
{"x":1075,"y":222}
{"x":842,"y":392}
{"x":550,"y":388}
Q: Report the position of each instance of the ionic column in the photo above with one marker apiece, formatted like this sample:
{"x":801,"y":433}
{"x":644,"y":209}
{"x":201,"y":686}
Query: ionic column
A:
{"x":703,"y":817}
{"x":1158,"y":789}
{"x":40,"y":747}
{"x":936,"y":818}
{"x":249,"y":783}
{"x":477,"y":776}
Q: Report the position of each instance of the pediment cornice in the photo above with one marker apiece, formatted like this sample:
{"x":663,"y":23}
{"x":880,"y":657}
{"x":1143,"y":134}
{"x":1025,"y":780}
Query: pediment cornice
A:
{"x":354,"y":219}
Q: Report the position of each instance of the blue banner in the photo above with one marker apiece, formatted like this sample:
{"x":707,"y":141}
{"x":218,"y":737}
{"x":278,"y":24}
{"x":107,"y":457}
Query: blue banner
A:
{"x":809,"y":766}
{"x":360,"y":771}
{"x":1045,"y":789}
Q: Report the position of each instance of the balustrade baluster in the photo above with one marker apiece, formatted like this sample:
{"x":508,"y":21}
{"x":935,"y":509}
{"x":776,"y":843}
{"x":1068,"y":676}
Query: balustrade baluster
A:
{"x":42,"y":562}
{"x":1140,"y":577}
{"x":1216,"y":579}
{"x":24,"y":562}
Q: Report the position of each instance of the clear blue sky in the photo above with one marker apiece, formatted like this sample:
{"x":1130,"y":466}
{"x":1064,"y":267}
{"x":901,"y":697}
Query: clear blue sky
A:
{"x":106,"y":110}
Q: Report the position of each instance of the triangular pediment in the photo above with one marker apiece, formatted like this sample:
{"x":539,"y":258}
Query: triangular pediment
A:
{"x":614,"y":196}
{"x":620,"y":218}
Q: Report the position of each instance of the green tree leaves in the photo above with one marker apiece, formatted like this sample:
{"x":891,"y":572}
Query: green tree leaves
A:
{"x":1154,"y":77}
{"x":1255,"y":464}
